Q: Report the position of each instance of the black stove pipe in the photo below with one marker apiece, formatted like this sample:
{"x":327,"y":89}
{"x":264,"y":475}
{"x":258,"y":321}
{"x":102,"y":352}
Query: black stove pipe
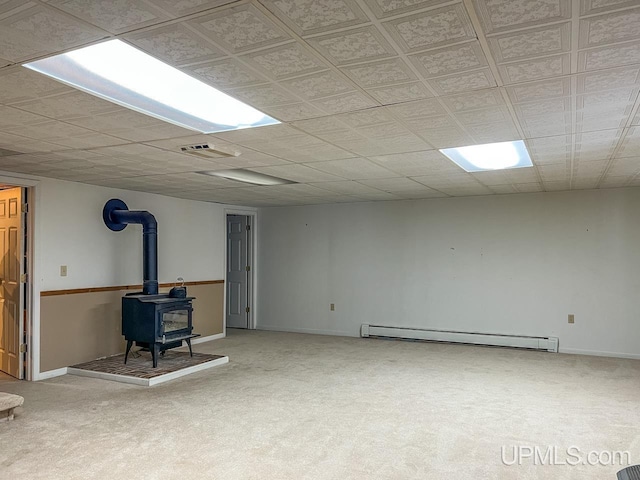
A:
{"x":117,"y":216}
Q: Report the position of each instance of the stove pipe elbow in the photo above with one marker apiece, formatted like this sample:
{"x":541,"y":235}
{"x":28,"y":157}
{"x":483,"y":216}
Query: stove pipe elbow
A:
{"x":117,"y":216}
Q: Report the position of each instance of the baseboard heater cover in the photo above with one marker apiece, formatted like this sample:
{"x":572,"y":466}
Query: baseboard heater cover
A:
{"x":550,"y":344}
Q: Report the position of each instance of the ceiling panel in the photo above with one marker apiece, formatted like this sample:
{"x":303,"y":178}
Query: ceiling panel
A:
{"x":367,"y":91}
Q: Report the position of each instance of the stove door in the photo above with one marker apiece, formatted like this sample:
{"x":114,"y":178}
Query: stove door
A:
{"x":174,"y":321}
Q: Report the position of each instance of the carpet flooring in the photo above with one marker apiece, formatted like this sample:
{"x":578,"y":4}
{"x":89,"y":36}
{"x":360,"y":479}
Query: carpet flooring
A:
{"x":295,"y":406}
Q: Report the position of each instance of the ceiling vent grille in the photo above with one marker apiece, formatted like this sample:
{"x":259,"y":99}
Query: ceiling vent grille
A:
{"x":208,"y":150}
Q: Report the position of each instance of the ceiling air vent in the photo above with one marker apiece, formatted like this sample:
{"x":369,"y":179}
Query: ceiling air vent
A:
{"x":208,"y":150}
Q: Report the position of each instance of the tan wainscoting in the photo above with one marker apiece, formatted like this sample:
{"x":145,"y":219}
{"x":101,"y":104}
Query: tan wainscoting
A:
{"x":85,"y":324}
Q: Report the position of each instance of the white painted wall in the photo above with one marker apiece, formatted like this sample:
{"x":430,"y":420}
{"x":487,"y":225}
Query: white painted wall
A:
{"x":191,"y":235}
{"x":514,"y":264}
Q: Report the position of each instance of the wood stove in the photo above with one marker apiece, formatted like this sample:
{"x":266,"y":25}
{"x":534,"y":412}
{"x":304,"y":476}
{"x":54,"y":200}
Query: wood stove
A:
{"x":157,"y":323}
{"x":153,"y":321}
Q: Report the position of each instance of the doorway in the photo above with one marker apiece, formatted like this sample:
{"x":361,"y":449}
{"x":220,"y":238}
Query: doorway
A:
{"x":13,"y":280}
{"x":239,"y":275}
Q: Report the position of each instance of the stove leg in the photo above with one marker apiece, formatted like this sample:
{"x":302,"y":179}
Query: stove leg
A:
{"x":188,"y":340}
{"x":155,"y":352}
{"x":129,"y":344}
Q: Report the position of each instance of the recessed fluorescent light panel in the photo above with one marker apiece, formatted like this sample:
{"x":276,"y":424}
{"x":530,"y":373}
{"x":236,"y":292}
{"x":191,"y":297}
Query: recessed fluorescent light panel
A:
{"x":117,"y":72}
{"x":490,"y":156}
{"x":247,"y":176}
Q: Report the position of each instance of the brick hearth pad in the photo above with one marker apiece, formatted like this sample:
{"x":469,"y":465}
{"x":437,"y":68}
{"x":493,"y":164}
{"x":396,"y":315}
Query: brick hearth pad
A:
{"x":142,"y":367}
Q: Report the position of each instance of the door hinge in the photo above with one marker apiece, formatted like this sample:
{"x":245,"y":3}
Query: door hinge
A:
{"x":248,"y":227}
{"x":247,"y":309}
{"x":23,"y":348}
{"x":25,"y":207}
{"x":24,"y":278}
{"x":248,"y":268}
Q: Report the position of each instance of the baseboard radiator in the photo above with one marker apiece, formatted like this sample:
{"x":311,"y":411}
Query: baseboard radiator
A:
{"x":550,"y":344}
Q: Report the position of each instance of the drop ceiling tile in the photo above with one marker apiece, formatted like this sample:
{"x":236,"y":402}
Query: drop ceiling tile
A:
{"x":445,"y":61}
{"x":347,"y":187}
{"x":423,"y":125}
{"x":115,"y":16}
{"x":431,"y":29}
{"x":373,"y":116}
{"x":41,"y":30}
{"x":318,"y":85}
{"x":308,"y":17}
{"x":68,"y":105}
{"x":420,"y":108}
{"x":227,"y":73}
{"x":320,"y":125}
{"x":608,"y":79}
{"x":114,"y":121}
{"x":494,"y":132}
{"x":403,"y":187}
{"x":503,"y":189}
{"x":539,"y":91}
{"x":405,"y":92}
{"x":188,"y":7}
{"x":609,"y":56}
{"x":448,"y":137}
{"x":284,"y":61}
{"x":555,"y":172}
{"x":610,"y":28}
{"x":387,"y":146}
{"x":471,"y":101}
{"x":26,"y":145}
{"x":293,"y":191}
{"x":344,"y":103}
{"x":614,"y":182}
{"x":14,"y":120}
{"x":175,"y":44}
{"x":620,"y":100}
{"x":463,"y":82}
{"x":449,"y":181}
{"x":298,"y":173}
{"x":387,"y":8}
{"x":354,"y":169}
{"x":352,"y":46}
{"x":383,"y":131}
{"x":293,"y":112}
{"x":240,"y":28}
{"x":380,"y":73}
{"x":263,"y":96}
{"x":521,"y":45}
{"x":484,"y":115}
{"x":375,"y":197}
{"x":556,"y":105}
{"x":550,"y":158}
{"x":553,"y":144}
{"x":624,"y":166}
{"x":590,"y":7}
{"x":529,"y":187}
{"x":536,"y":69}
{"x":411,"y":164}
{"x":501,"y":15}
{"x":20,"y":84}
{"x":322,"y":152}
{"x":545,"y":125}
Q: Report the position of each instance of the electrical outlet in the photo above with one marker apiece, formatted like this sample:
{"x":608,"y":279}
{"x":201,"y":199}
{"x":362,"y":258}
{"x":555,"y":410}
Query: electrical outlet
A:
{"x":333,"y":307}
{"x":63,"y":270}
{"x":572,"y":318}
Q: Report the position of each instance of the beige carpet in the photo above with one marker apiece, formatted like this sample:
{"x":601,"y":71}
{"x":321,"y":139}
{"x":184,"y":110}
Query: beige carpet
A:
{"x":292,"y":406}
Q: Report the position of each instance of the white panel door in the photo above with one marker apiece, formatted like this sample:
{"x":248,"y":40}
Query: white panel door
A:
{"x":12,"y":321}
{"x":237,"y":272}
